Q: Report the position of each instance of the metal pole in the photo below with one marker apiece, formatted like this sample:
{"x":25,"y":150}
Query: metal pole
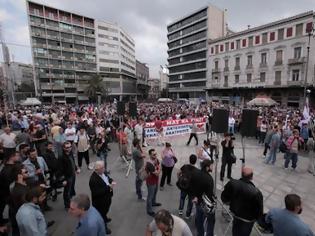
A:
{"x":306,"y":66}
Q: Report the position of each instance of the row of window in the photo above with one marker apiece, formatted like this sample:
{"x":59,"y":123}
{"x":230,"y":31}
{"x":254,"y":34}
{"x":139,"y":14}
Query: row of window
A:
{"x":108,"y":37}
{"x":124,"y":36}
{"x":107,"y":29}
{"x":192,"y":66}
{"x":189,"y":48}
{"x":262,"y":39}
{"x":295,"y":77}
{"x":189,"y":39}
{"x":188,"y":84}
{"x":297,"y":53}
{"x":190,"y":57}
{"x":109,"y":45}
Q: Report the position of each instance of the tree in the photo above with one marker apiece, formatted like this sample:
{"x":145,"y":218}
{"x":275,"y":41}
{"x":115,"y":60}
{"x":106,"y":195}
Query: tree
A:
{"x":95,"y":88}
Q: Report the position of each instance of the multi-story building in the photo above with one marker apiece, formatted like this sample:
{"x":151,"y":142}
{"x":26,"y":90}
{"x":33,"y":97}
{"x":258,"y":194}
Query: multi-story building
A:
{"x":187,"y":50}
{"x":68,"y":49}
{"x":21,"y":73}
{"x":116,"y":59}
{"x":267,"y":60}
{"x":154,"y":89}
{"x":142,"y":74}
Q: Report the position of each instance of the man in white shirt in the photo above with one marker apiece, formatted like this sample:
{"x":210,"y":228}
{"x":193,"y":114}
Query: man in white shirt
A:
{"x":8,"y":142}
{"x":231,"y":124}
{"x":139,"y":131}
{"x":83,"y":144}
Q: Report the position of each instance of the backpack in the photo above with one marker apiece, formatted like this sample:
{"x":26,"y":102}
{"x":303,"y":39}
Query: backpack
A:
{"x":184,"y":180}
{"x":283,"y":147}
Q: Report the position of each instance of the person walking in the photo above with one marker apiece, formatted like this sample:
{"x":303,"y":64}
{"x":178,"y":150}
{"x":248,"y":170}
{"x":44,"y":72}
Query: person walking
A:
{"x":227,"y":158}
{"x":193,"y":133}
{"x":246,"y":202}
{"x":90,"y":221}
{"x":287,"y":221}
{"x":274,"y":146}
{"x":168,"y":163}
{"x":293,"y":143}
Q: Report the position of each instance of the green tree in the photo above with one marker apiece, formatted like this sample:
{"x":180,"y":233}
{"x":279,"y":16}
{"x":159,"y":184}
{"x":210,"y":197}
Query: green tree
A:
{"x":95,"y":88}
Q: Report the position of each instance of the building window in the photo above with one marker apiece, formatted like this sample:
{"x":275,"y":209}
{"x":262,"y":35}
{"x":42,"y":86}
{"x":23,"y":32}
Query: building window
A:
{"x":237,"y":62}
{"x":299,"y":29}
{"x":297,"y":52}
{"x":295,"y":75}
{"x":237,"y":79}
{"x":264,"y":38}
{"x":257,"y":39}
{"x":221,"y":48}
{"x":216,"y":49}
{"x":289,"y":32}
{"x":309,"y":27}
{"x":272,"y":36}
{"x":216,"y":65}
{"x":250,"y":41}
{"x":238,"y":44}
{"x":232,"y":45}
{"x":278,"y":76}
{"x":244,"y":43}
{"x":279,"y":54}
{"x":212,"y":50}
{"x":226,"y":63}
{"x":249,"y":60}
{"x":226,"y":79}
{"x":280,"y":34}
{"x":262,"y":76}
{"x":263,"y":58}
{"x":249,"y":78}
{"x":226,"y":47}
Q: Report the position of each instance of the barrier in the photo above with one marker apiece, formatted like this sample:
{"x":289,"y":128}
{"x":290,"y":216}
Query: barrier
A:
{"x":175,"y":127}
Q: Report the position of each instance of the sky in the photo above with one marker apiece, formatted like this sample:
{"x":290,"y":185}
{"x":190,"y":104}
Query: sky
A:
{"x":144,"y":20}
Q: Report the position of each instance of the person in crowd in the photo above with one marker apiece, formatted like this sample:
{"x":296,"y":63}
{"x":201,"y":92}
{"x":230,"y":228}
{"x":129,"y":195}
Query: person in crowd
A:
{"x":70,"y":133}
{"x":68,"y":170}
{"x":168,"y":163}
{"x":267,"y":141}
{"x":122,"y":143}
{"x":304,"y":135}
{"x":29,"y":217}
{"x":187,"y":170}
{"x":6,"y":179}
{"x":204,"y":153}
{"x":293,"y":143}
{"x":193,"y":133}
{"x":152,"y":182}
{"x":128,"y":130}
{"x":231,"y":124}
{"x":102,"y":148}
{"x":139,"y":130}
{"x":287,"y":221}
{"x":23,"y":149}
{"x":83,"y":145}
{"x":91,"y":132}
{"x":138,"y":157}
{"x":167,"y":224}
{"x":101,"y":186}
{"x":159,"y":129}
{"x":227,"y":156}
{"x":40,"y":139}
{"x":263,"y":131}
{"x":17,"y":196}
{"x":90,"y":221}
{"x":310,"y":148}
{"x":23,"y":138}
{"x":52,"y":163}
{"x":246,"y":202}
{"x":8,"y":141}
{"x":59,"y":138}
{"x":274,"y":146}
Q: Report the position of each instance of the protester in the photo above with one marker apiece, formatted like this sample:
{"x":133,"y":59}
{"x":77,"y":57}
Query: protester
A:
{"x":83,"y":144}
{"x":293,"y":144}
{"x":287,"y":221}
{"x":227,"y":156}
{"x":274,"y":146}
{"x":138,"y":157}
{"x":7,"y":141}
{"x":168,"y":163}
{"x":193,"y":133}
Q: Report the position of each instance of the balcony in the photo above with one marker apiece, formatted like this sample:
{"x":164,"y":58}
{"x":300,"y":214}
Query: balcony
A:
{"x":237,"y":68}
{"x":279,"y":63}
{"x":39,"y":34}
{"x":226,"y":85}
{"x":54,"y":37}
{"x":226,"y":69}
{"x":70,"y":85}
{"x":53,"y":27}
{"x":296,"y":61}
{"x":249,"y":67}
{"x":215,"y":85}
{"x":39,"y":45}
{"x":263,"y":65}
{"x":67,"y":49}
{"x":78,"y":41}
{"x":67,"y":40}
{"x":277,"y":82}
{"x":90,"y":44}
{"x":38,"y":24}
{"x":215,"y":71}
{"x":79,"y":50}
{"x":53,"y":46}
{"x":295,"y":83}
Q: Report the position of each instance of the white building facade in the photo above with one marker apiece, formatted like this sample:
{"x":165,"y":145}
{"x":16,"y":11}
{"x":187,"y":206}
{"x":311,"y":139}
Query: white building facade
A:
{"x":268,"y":60}
{"x":116,"y":60}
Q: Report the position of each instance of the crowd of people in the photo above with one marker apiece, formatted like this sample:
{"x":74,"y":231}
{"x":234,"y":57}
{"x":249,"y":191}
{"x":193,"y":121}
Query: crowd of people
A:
{"x":42,"y":151}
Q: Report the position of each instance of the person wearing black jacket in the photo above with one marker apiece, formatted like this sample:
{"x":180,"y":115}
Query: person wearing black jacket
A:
{"x":101,"y":186}
{"x":246,"y":202}
{"x":67,"y":169}
{"x":227,"y":151}
{"x":202,"y":184}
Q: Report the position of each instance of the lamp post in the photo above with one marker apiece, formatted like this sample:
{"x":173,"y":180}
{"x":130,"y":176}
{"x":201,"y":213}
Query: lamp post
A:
{"x":310,"y":34}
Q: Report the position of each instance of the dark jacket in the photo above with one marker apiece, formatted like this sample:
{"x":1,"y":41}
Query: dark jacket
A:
{"x":65,"y":168}
{"x":245,"y":200}
{"x":100,"y":191}
{"x":201,"y":183}
{"x":6,"y":179}
{"x":51,"y":161}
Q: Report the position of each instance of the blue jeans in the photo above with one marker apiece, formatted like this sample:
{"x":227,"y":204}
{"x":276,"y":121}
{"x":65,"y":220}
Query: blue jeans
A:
{"x":241,"y":228}
{"x":272,"y":156}
{"x":102,"y":156}
{"x":182,"y":199}
{"x":291,"y":157}
{"x":231,"y":129}
{"x":151,"y":198}
{"x":200,"y":219}
{"x":138,"y":186}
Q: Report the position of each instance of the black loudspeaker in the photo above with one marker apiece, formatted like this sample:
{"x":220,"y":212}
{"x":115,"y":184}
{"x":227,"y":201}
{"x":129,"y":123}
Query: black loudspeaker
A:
{"x":121,"y":108}
{"x":133,"y":109}
{"x":249,"y":123}
{"x":220,"y":121}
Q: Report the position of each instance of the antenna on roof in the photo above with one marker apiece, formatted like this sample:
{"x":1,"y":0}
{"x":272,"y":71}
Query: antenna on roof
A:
{"x":248,"y":26}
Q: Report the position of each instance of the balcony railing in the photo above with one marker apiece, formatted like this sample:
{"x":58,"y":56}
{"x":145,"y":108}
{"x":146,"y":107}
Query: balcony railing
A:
{"x":263,"y":65}
{"x":279,"y":63}
{"x":295,"y":61}
{"x":215,"y":70}
{"x":295,"y":83}
{"x":249,"y":67}
{"x":237,"y":68}
{"x":277,"y":82}
{"x":225,"y":85}
{"x":226,"y":69}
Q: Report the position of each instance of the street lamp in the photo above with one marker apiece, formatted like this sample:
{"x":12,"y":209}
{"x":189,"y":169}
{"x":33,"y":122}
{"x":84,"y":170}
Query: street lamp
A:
{"x":310,"y":32}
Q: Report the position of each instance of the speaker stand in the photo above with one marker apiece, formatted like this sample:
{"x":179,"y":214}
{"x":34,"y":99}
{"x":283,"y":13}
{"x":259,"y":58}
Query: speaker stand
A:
{"x":243,"y":152}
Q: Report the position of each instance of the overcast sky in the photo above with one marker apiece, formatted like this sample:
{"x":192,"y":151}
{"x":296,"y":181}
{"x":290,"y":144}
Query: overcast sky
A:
{"x":145,"y":20}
